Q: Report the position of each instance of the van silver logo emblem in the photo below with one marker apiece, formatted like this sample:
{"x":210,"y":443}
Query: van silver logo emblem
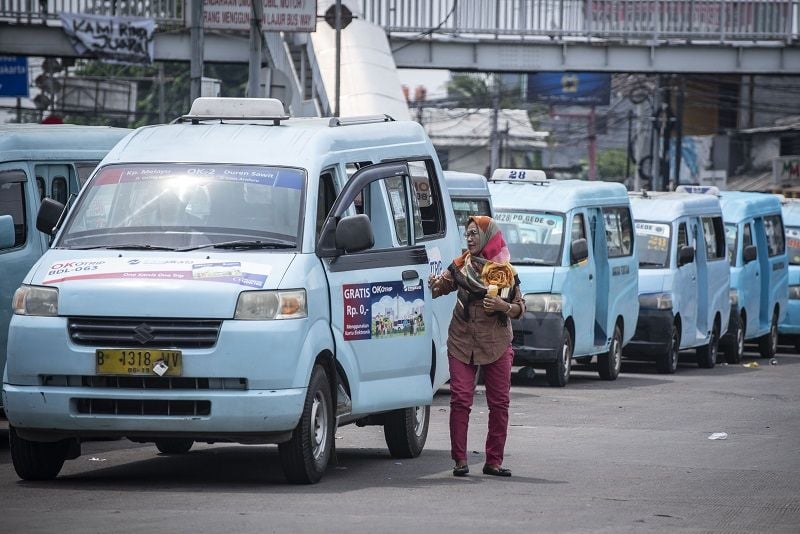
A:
{"x":143,"y":333}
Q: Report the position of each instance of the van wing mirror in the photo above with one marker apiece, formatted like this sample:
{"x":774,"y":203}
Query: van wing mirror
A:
{"x":685,"y":255}
{"x":750,"y":253}
{"x":49,"y":215}
{"x":7,"y":236}
{"x":354,"y":234}
{"x":579,"y":250}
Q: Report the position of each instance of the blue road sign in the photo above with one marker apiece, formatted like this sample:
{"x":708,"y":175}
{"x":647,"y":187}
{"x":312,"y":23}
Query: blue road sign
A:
{"x":576,"y":88}
{"x":14,"y":76}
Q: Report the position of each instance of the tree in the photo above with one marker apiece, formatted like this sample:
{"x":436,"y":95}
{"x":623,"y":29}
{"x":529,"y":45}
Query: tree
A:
{"x":611,"y":165}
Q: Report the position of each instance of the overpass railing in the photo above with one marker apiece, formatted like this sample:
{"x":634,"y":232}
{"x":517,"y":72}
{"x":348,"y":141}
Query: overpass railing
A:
{"x":715,"y":20}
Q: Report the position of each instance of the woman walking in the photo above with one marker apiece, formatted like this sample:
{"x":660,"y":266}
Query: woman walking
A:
{"x":480,"y":335}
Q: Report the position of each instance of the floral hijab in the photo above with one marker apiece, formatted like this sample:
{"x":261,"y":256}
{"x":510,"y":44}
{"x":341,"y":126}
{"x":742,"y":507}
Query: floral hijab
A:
{"x":490,"y":266}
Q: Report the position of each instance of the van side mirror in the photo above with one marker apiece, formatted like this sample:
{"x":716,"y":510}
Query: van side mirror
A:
{"x":750,"y":253}
{"x":7,"y":237}
{"x":579,"y":251}
{"x":50,"y":212}
{"x":354,"y":233}
{"x":685,"y":255}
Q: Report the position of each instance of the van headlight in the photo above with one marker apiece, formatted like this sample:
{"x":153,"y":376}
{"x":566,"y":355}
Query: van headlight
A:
{"x":734,"y":296}
{"x":36,"y":300}
{"x":656,"y":301}
{"x":269,"y":305}
{"x":794,"y":292}
{"x":543,"y":302}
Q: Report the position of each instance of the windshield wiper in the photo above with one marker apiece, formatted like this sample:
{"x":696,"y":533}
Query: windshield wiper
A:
{"x":129,"y":246}
{"x":241,"y":243}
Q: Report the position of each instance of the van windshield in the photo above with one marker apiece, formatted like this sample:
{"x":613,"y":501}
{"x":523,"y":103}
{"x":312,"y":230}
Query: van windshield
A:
{"x":652,"y":244}
{"x":533,"y":237}
{"x":731,"y":235}
{"x":793,"y":244}
{"x":178,"y":206}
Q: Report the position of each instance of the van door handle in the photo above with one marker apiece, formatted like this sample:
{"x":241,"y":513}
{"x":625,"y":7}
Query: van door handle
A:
{"x":409,"y":275}
{"x":591,"y":277}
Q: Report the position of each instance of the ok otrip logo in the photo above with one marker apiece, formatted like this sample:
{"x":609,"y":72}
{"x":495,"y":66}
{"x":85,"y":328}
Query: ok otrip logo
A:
{"x":64,"y":267}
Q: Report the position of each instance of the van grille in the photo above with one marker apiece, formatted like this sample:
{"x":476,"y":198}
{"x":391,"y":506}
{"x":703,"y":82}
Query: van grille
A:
{"x":145,"y":382}
{"x":169,"y":408}
{"x":161,"y":333}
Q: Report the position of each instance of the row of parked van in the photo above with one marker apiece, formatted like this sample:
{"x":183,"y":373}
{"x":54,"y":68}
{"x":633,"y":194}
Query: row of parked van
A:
{"x":640,"y":275}
{"x":243,"y":276}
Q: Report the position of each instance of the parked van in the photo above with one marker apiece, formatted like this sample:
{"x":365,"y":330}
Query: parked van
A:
{"x":684,"y":278}
{"x":470,"y":195}
{"x":36,"y":162}
{"x":573,"y":245}
{"x":789,"y":328}
{"x":221,"y":279}
{"x":759,"y":271}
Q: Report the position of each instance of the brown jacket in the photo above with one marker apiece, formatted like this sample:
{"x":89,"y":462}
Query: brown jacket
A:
{"x":482,"y":338}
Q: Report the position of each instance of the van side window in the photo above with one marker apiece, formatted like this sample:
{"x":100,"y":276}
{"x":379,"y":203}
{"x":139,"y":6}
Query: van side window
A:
{"x":747,"y":236}
{"x":619,"y":231}
{"x":396,"y":189}
{"x":351,"y":169}
{"x":428,"y":213}
{"x":683,"y":237}
{"x":58,"y":189}
{"x":84,"y":170}
{"x":41,"y":187}
{"x":578,"y":227}
{"x":776,"y":239}
{"x":388,"y":212}
{"x":12,"y":202}
{"x":714,"y":237}
{"x":325,"y":198}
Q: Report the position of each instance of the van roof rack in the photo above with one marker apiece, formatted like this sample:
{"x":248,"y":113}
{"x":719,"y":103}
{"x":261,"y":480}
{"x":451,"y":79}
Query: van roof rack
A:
{"x":363,"y":119}
{"x":224,"y":108}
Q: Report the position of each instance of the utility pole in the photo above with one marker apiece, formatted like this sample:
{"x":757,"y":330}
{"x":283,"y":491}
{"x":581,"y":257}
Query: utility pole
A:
{"x":592,"y":145}
{"x":196,"y":37}
{"x":162,"y":113}
{"x":338,"y":23}
{"x":629,"y":150}
{"x":256,"y":40}
{"x":679,"y":133}
{"x":655,"y":139}
{"x":494,"y":138}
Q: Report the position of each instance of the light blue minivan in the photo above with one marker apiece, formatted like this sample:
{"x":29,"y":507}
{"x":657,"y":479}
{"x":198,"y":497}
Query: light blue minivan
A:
{"x":759,"y":271}
{"x":684,"y":278}
{"x":39,"y":161}
{"x":573,"y":245}
{"x":470,"y":195}
{"x":237,"y":276}
{"x":789,"y":328}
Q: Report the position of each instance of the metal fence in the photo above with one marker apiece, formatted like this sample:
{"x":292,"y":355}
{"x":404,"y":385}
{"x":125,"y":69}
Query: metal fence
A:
{"x":718,"y":20}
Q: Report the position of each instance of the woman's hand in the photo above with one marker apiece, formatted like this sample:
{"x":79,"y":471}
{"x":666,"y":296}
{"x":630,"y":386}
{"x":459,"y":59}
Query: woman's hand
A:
{"x":433,"y":282}
{"x":495,"y":303}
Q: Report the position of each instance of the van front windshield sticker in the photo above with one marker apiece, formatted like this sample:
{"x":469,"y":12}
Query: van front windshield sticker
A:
{"x":532,"y":237}
{"x":793,"y":244}
{"x":653,"y":244}
{"x":179,"y":206}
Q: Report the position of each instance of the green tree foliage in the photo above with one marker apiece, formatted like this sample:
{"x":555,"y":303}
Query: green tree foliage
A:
{"x":176,"y":89}
{"x":611,"y":165}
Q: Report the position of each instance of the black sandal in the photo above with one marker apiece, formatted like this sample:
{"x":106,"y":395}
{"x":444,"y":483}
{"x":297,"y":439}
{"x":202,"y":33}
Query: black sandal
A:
{"x":496,"y":471}
{"x":460,"y":470}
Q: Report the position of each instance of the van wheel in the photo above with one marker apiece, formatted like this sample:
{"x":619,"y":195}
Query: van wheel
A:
{"x":797,"y":346}
{"x":707,"y":355}
{"x":667,"y":362}
{"x":768,"y":344}
{"x":305,"y":456}
{"x":734,"y":350}
{"x":35,"y":460}
{"x":609,"y":363}
{"x":406,"y":431}
{"x":174,"y":445}
{"x":558,"y":371}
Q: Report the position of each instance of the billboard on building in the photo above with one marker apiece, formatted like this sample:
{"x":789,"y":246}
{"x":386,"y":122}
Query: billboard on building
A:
{"x":570,"y":88}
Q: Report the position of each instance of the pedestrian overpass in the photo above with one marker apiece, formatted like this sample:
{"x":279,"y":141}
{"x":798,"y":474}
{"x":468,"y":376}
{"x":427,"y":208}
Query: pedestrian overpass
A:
{"x":638,"y":36}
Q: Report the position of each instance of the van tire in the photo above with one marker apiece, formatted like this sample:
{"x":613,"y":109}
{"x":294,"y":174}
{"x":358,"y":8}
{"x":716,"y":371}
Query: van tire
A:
{"x":667,"y":362}
{"x":707,"y":354}
{"x":174,"y":445}
{"x":35,"y":460}
{"x":406,"y":431}
{"x":558,"y":371}
{"x":609,"y":363}
{"x":734,"y":350}
{"x":305,"y":456}
{"x":768,"y":343}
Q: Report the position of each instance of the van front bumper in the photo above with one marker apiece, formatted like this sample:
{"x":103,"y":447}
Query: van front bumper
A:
{"x":231,"y":416}
{"x":537,"y":337}
{"x":653,"y":333}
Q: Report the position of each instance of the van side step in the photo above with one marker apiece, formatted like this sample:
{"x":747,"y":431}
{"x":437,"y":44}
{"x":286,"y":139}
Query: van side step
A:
{"x":600,"y":337}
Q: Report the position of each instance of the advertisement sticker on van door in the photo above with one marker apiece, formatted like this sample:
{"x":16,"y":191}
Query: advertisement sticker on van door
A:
{"x":231,"y":272}
{"x":383,"y":310}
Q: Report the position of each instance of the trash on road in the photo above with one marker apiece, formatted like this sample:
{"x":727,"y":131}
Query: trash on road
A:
{"x":773,"y":361}
{"x":95,"y":459}
{"x":750,"y":365}
{"x":718,"y":435}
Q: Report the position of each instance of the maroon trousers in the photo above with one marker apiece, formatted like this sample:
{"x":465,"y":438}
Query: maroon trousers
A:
{"x":497,"y":379}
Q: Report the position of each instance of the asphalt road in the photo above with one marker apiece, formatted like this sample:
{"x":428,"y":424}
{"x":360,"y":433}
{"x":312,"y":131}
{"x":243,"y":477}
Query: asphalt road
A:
{"x":629,"y":455}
